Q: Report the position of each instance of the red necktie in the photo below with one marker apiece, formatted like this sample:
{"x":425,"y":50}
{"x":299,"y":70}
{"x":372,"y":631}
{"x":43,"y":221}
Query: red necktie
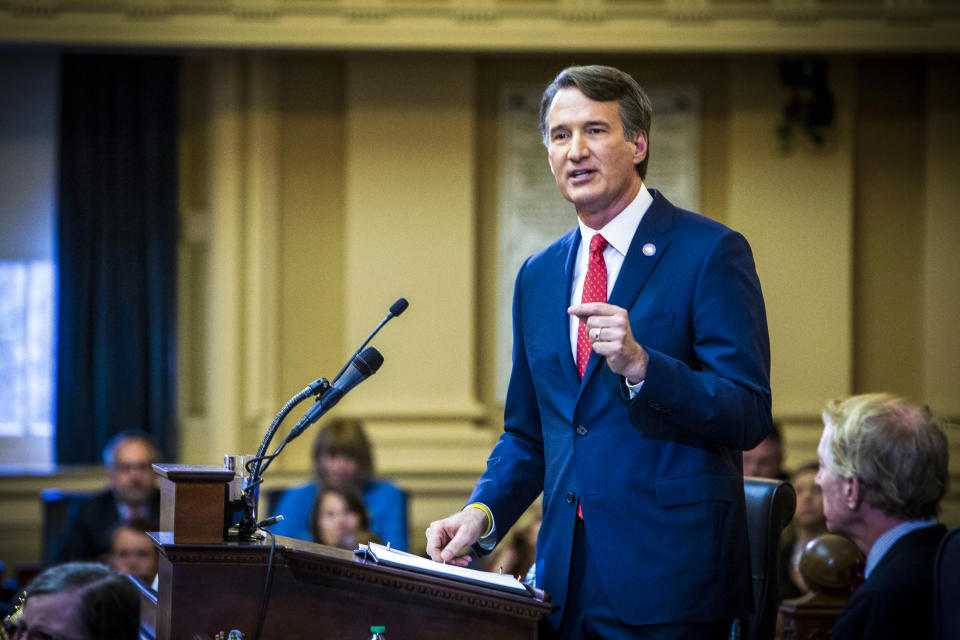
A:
{"x":594,"y":290}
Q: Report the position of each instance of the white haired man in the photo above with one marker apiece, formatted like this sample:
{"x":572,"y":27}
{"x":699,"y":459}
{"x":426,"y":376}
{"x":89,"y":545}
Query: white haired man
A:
{"x":883,"y":471}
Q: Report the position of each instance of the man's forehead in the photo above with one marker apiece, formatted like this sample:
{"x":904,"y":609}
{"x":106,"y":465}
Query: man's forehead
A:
{"x":573,"y":98}
{"x":132,"y":449}
{"x":130,"y":539}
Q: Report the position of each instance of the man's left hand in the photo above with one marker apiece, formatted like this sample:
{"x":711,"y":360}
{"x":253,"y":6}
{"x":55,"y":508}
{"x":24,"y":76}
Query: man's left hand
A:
{"x":608,"y":328}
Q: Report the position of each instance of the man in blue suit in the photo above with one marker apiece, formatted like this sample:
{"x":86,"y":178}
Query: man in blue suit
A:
{"x":640,"y":373}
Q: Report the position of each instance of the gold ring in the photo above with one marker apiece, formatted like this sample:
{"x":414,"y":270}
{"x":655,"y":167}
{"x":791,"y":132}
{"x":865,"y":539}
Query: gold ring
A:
{"x":597,"y":337}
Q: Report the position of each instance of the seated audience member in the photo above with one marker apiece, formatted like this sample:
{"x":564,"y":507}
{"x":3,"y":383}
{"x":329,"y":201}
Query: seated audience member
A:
{"x":132,"y":551}
{"x":341,"y":456}
{"x":131,"y":494}
{"x":79,"y":601}
{"x":883,"y":472}
{"x":808,"y":523}
{"x":766,"y":459}
{"x":517,"y":553}
{"x":339,"y":519}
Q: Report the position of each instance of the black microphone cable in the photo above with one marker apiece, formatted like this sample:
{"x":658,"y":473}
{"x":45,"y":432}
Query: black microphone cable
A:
{"x":318,"y":386}
{"x":267,"y":586}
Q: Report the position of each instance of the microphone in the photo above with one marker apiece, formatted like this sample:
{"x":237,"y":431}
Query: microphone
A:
{"x":363,"y":365}
{"x":399,"y":307}
{"x":396,"y":309}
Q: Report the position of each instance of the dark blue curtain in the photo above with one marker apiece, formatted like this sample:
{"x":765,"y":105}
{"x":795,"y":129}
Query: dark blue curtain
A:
{"x":116,"y":248}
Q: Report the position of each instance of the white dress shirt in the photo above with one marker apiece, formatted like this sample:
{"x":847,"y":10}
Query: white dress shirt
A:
{"x":619,"y":234}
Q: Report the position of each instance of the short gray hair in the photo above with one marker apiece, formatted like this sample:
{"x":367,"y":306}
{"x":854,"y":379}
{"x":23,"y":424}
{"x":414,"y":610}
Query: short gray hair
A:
{"x":898,"y":450}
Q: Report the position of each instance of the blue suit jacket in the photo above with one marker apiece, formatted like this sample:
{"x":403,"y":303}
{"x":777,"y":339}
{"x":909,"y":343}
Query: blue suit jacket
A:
{"x":659,"y":476}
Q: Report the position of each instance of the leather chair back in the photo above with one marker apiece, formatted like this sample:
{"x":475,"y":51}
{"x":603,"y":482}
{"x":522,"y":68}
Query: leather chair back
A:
{"x":770,"y":507}
{"x":58,"y":507}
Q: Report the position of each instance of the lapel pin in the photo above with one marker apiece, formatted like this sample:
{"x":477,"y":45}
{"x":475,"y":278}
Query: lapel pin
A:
{"x":649,"y":249}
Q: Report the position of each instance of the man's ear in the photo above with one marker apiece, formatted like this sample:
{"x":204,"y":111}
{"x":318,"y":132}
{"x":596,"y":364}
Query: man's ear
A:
{"x":640,"y":148}
{"x":852,"y":492}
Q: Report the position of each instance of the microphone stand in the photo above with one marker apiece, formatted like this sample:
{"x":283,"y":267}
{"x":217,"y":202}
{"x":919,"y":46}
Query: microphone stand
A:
{"x":248,"y":525}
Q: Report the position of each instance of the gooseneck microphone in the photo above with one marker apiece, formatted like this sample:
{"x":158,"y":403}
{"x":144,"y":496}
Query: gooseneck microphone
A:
{"x":396,"y":309}
{"x":361,"y":366}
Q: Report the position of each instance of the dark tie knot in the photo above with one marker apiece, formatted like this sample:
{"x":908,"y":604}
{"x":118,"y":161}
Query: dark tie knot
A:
{"x":598,"y":243}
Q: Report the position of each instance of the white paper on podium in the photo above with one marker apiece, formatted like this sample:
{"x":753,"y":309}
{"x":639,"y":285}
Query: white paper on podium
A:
{"x":384,"y":555}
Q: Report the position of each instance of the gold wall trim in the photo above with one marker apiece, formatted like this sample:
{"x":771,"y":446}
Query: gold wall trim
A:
{"x":492,"y":25}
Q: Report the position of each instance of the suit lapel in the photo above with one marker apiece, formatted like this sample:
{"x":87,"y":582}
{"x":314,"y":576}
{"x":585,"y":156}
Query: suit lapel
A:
{"x":637,"y":265}
{"x":560,"y":291}
{"x":649,"y":239}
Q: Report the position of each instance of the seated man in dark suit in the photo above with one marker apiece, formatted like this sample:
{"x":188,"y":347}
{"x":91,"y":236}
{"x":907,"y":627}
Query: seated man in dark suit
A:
{"x":883,"y":471}
{"x":132,"y":494}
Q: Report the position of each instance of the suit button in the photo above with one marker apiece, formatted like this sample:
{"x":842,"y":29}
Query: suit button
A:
{"x":571,"y":498}
{"x":582,"y":430}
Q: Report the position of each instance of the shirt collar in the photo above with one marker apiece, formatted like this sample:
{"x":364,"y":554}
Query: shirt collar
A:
{"x":889,"y":538}
{"x":619,"y":232}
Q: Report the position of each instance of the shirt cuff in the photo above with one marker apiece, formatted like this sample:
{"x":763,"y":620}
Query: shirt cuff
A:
{"x":489,"y":539}
{"x":633,"y":389}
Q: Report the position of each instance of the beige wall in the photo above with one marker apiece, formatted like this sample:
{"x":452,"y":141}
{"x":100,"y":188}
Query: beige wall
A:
{"x":319,"y":187}
{"x":796,"y":210}
{"x":941,"y":237}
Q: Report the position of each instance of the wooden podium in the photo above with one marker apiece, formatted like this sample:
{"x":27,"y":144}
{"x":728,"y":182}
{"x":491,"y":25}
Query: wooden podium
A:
{"x":208,"y":584}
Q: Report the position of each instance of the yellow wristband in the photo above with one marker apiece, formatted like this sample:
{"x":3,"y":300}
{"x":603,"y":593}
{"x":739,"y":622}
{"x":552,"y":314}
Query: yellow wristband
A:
{"x":486,"y":510}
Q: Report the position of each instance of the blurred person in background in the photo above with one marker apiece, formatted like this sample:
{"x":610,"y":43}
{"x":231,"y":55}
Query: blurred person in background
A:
{"x":131,"y":494}
{"x":132,"y":551}
{"x":808,"y":523}
{"x":342,"y":456}
{"x":339,"y":519}
{"x":517,"y":553}
{"x":766,"y":459}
